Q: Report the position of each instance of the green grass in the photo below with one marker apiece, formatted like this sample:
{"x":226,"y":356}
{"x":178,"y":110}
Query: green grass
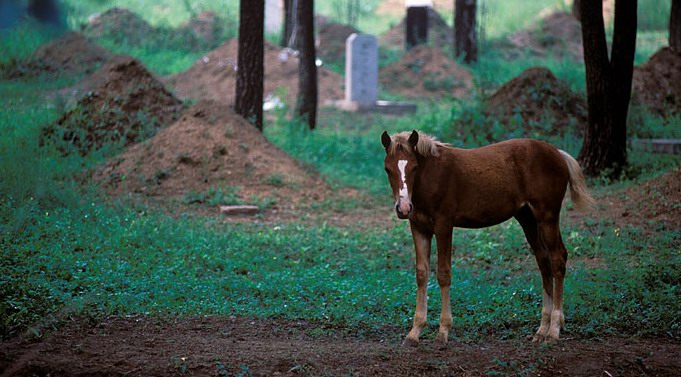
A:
{"x":67,"y":251}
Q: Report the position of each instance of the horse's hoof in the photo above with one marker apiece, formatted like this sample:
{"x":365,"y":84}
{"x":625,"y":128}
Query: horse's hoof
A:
{"x":550,"y":340}
{"x":409,"y":342}
{"x":441,"y":341}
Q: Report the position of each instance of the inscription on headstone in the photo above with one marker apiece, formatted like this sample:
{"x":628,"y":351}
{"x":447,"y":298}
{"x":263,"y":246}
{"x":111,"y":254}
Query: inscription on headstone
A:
{"x":417,"y":26}
{"x":361,"y":69}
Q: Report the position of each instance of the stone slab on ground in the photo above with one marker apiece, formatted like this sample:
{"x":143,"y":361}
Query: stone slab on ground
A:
{"x":669,"y":146}
{"x":239,"y":210}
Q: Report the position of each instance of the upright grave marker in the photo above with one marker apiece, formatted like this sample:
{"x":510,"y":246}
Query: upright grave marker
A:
{"x":361,"y":69}
{"x":361,"y":78}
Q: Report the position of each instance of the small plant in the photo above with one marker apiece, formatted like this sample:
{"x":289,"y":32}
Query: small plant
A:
{"x":214,"y":196}
{"x":276,"y":180}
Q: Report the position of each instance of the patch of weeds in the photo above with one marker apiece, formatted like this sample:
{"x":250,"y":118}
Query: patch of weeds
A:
{"x":276,"y":180}
{"x":434,"y":83}
{"x":162,"y":175}
{"x":180,"y":364}
{"x":227,"y":195}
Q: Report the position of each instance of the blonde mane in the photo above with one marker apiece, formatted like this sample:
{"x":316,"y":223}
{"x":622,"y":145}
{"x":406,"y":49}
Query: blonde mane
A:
{"x":426,"y":146}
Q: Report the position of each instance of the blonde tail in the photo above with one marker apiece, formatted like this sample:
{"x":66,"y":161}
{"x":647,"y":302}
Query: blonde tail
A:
{"x":579,"y":193}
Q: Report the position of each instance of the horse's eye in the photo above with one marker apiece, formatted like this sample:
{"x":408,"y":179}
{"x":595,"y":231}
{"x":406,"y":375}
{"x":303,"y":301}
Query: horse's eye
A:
{"x":387,"y":171}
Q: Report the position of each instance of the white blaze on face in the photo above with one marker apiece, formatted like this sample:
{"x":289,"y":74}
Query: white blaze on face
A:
{"x":404,"y":191}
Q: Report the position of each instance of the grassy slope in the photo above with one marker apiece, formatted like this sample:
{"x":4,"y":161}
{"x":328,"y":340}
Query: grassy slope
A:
{"x":65,"y":251}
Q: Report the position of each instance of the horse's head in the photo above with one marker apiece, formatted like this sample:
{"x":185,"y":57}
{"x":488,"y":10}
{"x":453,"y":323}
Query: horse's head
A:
{"x":401,"y":165}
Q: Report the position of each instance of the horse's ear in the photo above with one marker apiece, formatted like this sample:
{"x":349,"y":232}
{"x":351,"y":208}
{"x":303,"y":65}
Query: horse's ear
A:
{"x":414,"y":139}
{"x":385,"y":139}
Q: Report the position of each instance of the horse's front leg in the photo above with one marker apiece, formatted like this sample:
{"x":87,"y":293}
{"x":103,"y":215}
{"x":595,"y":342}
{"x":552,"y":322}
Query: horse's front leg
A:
{"x":422,"y":241}
{"x":444,"y":279}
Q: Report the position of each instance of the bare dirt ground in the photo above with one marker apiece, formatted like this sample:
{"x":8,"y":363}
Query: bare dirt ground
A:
{"x":233,"y":346}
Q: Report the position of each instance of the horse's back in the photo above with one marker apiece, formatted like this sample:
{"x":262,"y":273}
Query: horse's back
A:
{"x":506,"y":176}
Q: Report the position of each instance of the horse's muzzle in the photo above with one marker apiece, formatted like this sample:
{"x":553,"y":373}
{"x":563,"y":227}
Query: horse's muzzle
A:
{"x":403,"y":209}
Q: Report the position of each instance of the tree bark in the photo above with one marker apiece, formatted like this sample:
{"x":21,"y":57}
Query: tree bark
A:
{"x":576,"y":9}
{"x":250,"y":68}
{"x":465,"y":33}
{"x":675,"y":26}
{"x":306,"y":106}
{"x":288,"y":25}
{"x":608,"y":84}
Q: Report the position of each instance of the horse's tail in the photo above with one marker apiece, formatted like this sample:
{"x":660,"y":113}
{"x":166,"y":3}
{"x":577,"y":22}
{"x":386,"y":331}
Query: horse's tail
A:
{"x":579,"y":193}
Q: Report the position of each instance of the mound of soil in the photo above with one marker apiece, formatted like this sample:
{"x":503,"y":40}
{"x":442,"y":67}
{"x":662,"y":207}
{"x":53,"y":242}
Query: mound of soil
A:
{"x":537,"y":96}
{"x":439,"y":33}
{"x":123,"y":26}
{"x":206,"y":29}
{"x":651,"y":205}
{"x":426,"y":72}
{"x":331,"y":42}
{"x":120,"y":25}
{"x":210,"y":155}
{"x":558,"y":34}
{"x":213,"y":77}
{"x":657,"y":83}
{"x":71,"y":53}
{"x":121,"y":102}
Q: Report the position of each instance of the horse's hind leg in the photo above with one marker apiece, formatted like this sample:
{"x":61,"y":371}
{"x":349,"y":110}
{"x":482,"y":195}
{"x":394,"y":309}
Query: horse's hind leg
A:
{"x":541,"y":254}
{"x":444,"y":279}
{"x":550,"y":237}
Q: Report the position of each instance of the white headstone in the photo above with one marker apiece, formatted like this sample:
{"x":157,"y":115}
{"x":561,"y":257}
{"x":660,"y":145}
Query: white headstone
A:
{"x":274,"y":10}
{"x":361,"y":69}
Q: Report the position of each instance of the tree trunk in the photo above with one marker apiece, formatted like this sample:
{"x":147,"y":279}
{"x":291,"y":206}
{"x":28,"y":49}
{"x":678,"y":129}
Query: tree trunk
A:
{"x":288,"y":25}
{"x":675,"y":26}
{"x":465,"y":34}
{"x":608,"y":85}
{"x":576,"y":9}
{"x":250,"y":69}
{"x":306,"y":106}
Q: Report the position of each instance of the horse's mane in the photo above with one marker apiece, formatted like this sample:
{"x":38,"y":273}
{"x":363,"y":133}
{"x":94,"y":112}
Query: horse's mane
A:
{"x":426,"y":146}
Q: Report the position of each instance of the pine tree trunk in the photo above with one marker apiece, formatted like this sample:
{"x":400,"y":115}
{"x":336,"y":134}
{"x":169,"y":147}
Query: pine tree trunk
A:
{"x":465,"y":33}
{"x":675,"y":26}
{"x":608,"y":84}
{"x":250,"y":68}
{"x":288,"y":25}
{"x":576,"y":9}
{"x":306,"y":106}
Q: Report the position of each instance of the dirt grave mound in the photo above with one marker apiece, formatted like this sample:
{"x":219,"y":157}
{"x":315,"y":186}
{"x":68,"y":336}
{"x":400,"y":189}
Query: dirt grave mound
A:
{"x":538,"y":99}
{"x":213,"y":77}
{"x":558,"y":34}
{"x":648,"y":205}
{"x":121,"y":102}
{"x":439,"y":33}
{"x":657,"y":83}
{"x":331,"y":42}
{"x":210,"y":156}
{"x":120,"y":25}
{"x":205,"y":29}
{"x":124,"y":26}
{"x":426,"y":72}
{"x":71,"y":53}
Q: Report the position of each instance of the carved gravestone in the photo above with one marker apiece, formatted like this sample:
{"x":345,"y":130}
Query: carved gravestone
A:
{"x":361,"y":69}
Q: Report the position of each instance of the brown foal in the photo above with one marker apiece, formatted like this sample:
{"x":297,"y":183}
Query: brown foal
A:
{"x":438,"y":187}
